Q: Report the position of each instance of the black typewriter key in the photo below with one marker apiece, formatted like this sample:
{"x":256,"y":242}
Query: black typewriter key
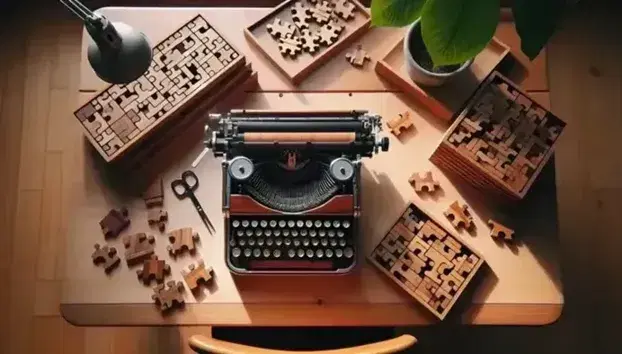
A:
{"x":300,"y":253}
{"x":315,"y":242}
{"x":249,"y":232}
{"x":263,"y":223}
{"x":338,"y":253}
{"x":277,"y":232}
{"x":269,"y":242}
{"x":333,"y":242}
{"x":254,"y":223}
{"x":331,"y":233}
{"x":329,"y":253}
{"x":348,"y":252}
{"x":232,"y":243}
{"x":346,"y":224}
{"x":258,"y":232}
{"x":245,"y":223}
{"x":287,"y":242}
{"x":240,"y":233}
{"x":266,"y":253}
{"x":342,"y":243}
{"x":300,"y":223}
{"x":305,"y":242}
{"x":247,"y":252}
{"x":291,"y":253}
{"x":312,"y":233}
{"x":324,"y":242}
{"x":303,"y":232}
{"x":276,"y":253}
{"x":296,"y":243}
{"x":256,"y":252}
{"x":340,"y":233}
{"x":327,"y":223}
{"x":273,"y":223}
{"x":318,"y":223}
{"x":251,"y":242}
{"x":309,"y":223}
{"x":310,"y":253}
{"x":286,"y":232}
{"x":336,"y":224}
{"x":294,"y":233}
{"x":267,"y":232}
{"x":235,"y":223}
{"x":319,"y":253}
{"x":236,"y":252}
{"x":278,"y":241}
{"x":291,"y":224}
{"x":282,"y":223}
{"x":322,"y":232}
{"x":242,"y":242}
{"x":260,"y":242}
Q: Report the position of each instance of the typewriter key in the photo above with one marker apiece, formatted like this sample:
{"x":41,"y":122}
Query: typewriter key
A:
{"x":258,"y":232}
{"x":260,"y":242}
{"x":305,"y":242}
{"x":336,"y":224}
{"x":235,"y":223}
{"x":315,"y":242}
{"x":303,"y":232}
{"x":346,"y":224}
{"x":287,"y":242}
{"x":249,"y":232}
{"x":276,"y":253}
{"x":247,"y":252}
{"x":324,"y":242}
{"x":300,"y":223}
{"x":282,"y":223}
{"x":309,"y":223}
{"x":300,"y":253}
{"x":333,"y":242}
{"x":245,"y":223}
{"x":251,"y":242}
{"x":294,"y":233}
{"x":266,"y":253}
{"x":256,"y":252}
{"x":278,"y":241}
{"x":286,"y":232}
{"x":348,"y":252}
{"x":319,"y":253}
{"x":291,"y":253}
{"x":267,"y":232}
{"x":340,"y":233}
{"x":263,"y":223}
{"x":240,"y":233}
{"x":329,"y":253}
{"x":338,"y":253}
{"x":269,"y":242}
{"x":296,"y":243}
{"x":342,"y":243}
{"x":331,"y":233}
{"x":242,"y":242}
{"x":277,"y":232}
{"x":322,"y":232}
{"x":254,"y":223}
{"x":272,"y":223}
{"x":232,"y":243}
{"x":310,"y":253}
{"x":312,"y":233}
{"x":236,"y":252}
{"x":327,"y":223}
{"x":291,"y":223}
{"x":318,"y":223}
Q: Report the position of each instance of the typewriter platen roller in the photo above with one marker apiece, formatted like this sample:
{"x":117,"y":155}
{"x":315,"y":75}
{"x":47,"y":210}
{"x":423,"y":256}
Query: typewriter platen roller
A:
{"x":291,"y":187}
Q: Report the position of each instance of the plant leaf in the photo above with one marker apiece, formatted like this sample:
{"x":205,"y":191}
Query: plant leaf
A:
{"x":455,"y":31}
{"x":395,"y":13}
{"x":536,"y":21}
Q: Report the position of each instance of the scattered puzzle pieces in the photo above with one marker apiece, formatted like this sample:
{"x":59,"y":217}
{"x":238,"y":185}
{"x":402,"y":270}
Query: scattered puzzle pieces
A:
{"x":168,"y":296}
{"x":182,"y":239}
{"x":154,"y":195}
{"x":357,"y":57}
{"x":459,"y":215}
{"x":196,"y":274}
{"x":107,"y":255}
{"x":137,"y":247}
{"x":280,"y":29}
{"x":301,"y":15}
{"x":423,"y":184}
{"x":289,"y":45}
{"x":153,"y":268}
{"x":310,"y":41}
{"x":329,"y":33}
{"x":157,"y":216}
{"x":344,"y":9}
{"x":499,"y":231}
{"x":321,"y":12}
{"x":400,"y":124}
{"x":114,"y":222}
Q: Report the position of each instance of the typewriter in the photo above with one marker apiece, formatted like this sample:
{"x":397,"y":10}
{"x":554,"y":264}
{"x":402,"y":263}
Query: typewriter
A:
{"x":291,"y":187}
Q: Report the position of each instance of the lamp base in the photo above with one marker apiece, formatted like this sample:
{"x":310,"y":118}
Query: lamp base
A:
{"x":123,"y":64}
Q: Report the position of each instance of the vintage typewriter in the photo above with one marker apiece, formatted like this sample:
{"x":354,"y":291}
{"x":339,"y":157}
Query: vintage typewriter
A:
{"x":291,"y":187}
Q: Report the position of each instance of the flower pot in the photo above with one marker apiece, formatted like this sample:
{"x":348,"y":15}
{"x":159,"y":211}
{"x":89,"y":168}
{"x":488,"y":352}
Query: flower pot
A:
{"x":419,"y":64}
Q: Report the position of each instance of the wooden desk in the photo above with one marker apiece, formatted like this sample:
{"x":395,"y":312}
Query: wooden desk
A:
{"x":521,"y":286}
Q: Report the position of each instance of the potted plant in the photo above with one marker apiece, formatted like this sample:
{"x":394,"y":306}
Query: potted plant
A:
{"x":445,"y":35}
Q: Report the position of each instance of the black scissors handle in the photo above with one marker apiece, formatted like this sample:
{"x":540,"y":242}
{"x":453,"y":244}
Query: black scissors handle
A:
{"x":186,"y":185}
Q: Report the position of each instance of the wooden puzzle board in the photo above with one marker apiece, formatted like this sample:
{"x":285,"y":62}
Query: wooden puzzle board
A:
{"x":523,"y":285}
{"x":185,"y":65}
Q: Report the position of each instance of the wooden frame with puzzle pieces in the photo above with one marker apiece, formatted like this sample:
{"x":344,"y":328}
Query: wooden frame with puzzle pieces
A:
{"x":186,"y":66}
{"x":430,"y":263}
{"x":302,"y":64}
{"x":500,"y":141}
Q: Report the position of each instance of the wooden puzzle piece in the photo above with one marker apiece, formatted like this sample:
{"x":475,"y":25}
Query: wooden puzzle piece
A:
{"x":157,"y":216}
{"x":459,"y":215}
{"x":114,"y":222}
{"x":154,"y":194}
{"x":106,"y":255}
{"x":321,"y":12}
{"x":344,"y":8}
{"x":383,"y":257}
{"x":437,"y":262}
{"x":124,"y":128}
{"x":289,"y":45}
{"x":426,"y":289}
{"x":329,"y":33}
{"x":465,"y":265}
{"x":153,"y":268}
{"x":197,"y":273}
{"x":301,"y":15}
{"x":138,"y":247}
{"x":419,"y":247}
{"x":310,"y":40}
{"x":406,"y":275}
{"x":182,"y":239}
{"x":401,"y":123}
{"x":500,"y":231}
{"x":423,"y":184}
{"x":404,"y":232}
{"x":394,"y":243}
{"x":357,"y":57}
{"x":168,"y":296}
{"x":280,"y":29}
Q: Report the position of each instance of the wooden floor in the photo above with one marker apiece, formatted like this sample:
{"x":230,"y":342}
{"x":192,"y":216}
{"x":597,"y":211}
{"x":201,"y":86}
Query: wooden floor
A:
{"x":38,"y":82}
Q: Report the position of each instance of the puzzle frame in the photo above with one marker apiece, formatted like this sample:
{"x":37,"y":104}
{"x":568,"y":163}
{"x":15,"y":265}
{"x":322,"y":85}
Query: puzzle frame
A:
{"x":411,"y":252}
{"x":297,"y":69}
{"x":186,"y":65}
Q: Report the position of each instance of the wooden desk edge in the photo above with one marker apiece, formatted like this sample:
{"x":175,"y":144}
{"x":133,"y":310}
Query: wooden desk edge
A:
{"x":298,"y":315}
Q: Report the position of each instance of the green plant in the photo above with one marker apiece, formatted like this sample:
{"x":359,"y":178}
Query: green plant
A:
{"x":454,"y":31}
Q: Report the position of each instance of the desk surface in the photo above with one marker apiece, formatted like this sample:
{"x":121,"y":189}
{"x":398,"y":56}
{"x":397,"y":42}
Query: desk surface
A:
{"x":522,"y":284}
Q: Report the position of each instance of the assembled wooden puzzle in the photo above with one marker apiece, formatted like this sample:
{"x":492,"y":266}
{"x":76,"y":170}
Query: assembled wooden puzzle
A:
{"x":185,"y":66}
{"x":299,"y":35}
{"x":500,"y":141}
{"x":427,"y":261}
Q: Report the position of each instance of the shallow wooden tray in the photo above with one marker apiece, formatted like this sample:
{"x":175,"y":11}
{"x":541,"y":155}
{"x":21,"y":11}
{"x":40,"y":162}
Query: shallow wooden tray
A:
{"x":448,"y":99}
{"x":296,"y":70}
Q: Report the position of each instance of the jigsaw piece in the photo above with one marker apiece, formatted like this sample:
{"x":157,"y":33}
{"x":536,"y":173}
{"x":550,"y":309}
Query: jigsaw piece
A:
{"x":301,"y":15}
{"x":154,"y":194}
{"x":106,"y":255}
{"x":157,"y":216}
{"x":459,"y":215}
{"x":168,"y":296}
{"x":197,"y":273}
{"x":499,"y":231}
{"x":310,"y":40}
{"x":114,"y":222}
{"x":153,"y":268}
{"x":182,"y":239}
{"x":280,"y":29}
{"x":321,"y":12}
{"x":357,"y":57}
{"x":344,"y":8}
{"x":423,"y":184}
{"x":289,"y":45}
{"x":401,"y":123}
{"x":329,"y":33}
{"x":138,"y":247}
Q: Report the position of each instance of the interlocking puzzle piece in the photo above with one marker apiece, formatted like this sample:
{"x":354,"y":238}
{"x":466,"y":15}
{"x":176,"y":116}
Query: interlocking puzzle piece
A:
{"x":138,"y":247}
{"x":153,"y":268}
{"x":310,"y":40}
{"x":301,"y":15}
{"x":321,"y":12}
{"x":107,"y":255}
{"x":154,"y":194}
{"x":289,"y":45}
{"x":344,"y":9}
{"x":157,"y":216}
{"x":197,"y":273}
{"x":498,"y":230}
{"x":329,"y":33}
{"x":182,"y":239}
{"x":279,"y":29}
{"x":168,"y":296}
{"x":459,"y":215}
{"x":423,"y":184}
{"x":357,"y":57}
{"x":114,"y":222}
{"x":400,"y":123}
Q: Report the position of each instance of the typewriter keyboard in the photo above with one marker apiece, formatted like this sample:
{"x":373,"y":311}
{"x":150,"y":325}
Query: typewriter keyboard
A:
{"x":291,"y":243}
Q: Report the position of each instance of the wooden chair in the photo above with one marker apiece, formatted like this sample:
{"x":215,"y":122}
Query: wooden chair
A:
{"x":203,"y":344}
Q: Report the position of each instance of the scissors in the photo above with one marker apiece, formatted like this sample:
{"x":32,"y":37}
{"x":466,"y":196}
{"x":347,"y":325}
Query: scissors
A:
{"x":184,"y":188}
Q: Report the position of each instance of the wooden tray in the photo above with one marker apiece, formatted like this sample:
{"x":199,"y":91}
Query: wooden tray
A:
{"x":447,"y":100}
{"x":296,"y":70}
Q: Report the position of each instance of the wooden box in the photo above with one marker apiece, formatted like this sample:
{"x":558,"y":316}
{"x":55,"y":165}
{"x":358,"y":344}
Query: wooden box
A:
{"x":428,"y":262}
{"x":447,"y":100}
{"x":500,"y":141}
{"x":186,"y":66}
{"x":298,"y":68}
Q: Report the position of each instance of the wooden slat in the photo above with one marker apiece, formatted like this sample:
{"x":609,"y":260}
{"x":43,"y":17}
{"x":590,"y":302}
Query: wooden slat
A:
{"x":51,"y":213}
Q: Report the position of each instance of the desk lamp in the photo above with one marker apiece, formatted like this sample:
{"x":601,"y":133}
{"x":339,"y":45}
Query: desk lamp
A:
{"x":117,"y":53}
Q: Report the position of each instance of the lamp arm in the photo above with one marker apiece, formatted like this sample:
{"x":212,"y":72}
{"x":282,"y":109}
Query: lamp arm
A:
{"x":98,"y":26}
